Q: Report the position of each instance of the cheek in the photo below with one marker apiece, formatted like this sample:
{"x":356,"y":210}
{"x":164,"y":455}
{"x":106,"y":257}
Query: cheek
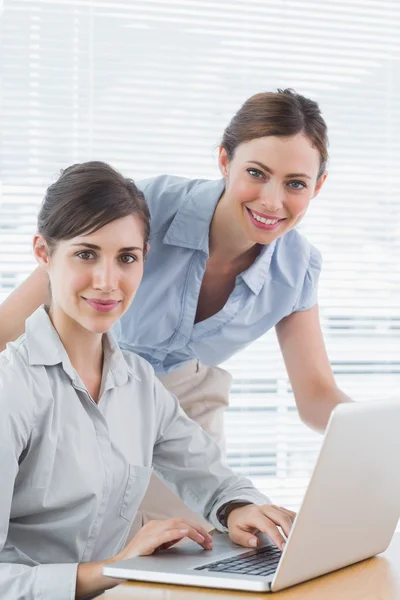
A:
{"x":73,"y":280}
{"x":130,"y":283}
{"x":244,"y":190}
{"x":298,"y":206}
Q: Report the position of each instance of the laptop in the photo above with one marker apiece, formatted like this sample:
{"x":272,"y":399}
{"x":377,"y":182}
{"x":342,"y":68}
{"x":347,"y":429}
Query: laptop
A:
{"x":349,"y":513}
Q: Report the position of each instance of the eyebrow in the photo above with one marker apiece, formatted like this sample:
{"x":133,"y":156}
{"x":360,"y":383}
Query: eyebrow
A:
{"x":95,"y":247}
{"x":270,"y":171}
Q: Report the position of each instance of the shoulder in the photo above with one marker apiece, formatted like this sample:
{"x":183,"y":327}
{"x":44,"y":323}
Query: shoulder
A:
{"x":164,"y":186}
{"x":151,"y":388}
{"x":295,"y":257}
{"x":139,"y":368}
{"x":14,"y":360}
{"x":16,"y":398}
{"x":300,"y":266}
{"x":164,"y":195}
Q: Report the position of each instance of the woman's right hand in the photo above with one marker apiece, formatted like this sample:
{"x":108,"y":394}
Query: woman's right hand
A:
{"x":155,"y":535}
{"x":160,"y":535}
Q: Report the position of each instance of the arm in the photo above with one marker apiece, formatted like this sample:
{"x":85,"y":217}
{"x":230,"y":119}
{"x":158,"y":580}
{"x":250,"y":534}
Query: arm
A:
{"x":191,"y":463}
{"x":21,"y":581}
{"x":303,"y":349}
{"x":20,"y":304}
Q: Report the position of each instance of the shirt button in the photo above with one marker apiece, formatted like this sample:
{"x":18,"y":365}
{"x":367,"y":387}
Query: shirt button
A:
{"x":182,"y":338}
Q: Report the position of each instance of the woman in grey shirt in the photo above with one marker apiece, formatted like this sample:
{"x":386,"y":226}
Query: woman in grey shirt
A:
{"x":84,"y":422}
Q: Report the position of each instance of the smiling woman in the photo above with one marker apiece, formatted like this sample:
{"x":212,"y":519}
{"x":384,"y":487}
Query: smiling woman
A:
{"x":84,"y":422}
{"x":270,"y":198}
{"x":92,"y":237}
{"x":226,"y":264}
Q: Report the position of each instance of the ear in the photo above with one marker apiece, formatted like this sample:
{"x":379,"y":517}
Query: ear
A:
{"x":146,"y":250}
{"x":223,"y":162}
{"x":41,"y":251}
{"x":320,"y":183}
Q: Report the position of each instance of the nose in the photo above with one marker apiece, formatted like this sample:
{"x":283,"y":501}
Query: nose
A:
{"x":105,"y":276}
{"x":272,"y":197}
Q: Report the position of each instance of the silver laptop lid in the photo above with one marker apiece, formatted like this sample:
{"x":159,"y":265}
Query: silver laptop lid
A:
{"x":352,"y":505}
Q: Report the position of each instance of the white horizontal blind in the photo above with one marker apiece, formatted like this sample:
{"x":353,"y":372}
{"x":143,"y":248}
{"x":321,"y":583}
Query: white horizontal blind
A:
{"x":149,"y":86}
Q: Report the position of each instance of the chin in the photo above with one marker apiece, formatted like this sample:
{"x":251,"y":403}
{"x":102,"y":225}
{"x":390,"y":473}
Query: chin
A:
{"x":261,"y":238}
{"x":102,"y":327}
{"x":265,"y":237}
{"x":268,"y":239}
{"x":98,"y":326}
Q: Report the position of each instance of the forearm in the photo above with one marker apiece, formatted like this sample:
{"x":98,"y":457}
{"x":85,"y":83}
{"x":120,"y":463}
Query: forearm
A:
{"x":200,"y":477}
{"x":43,"y":582}
{"x":315,"y":413}
{"x":48,"y":581}
{"x":90,"y":579}
{"x":20,"y":304}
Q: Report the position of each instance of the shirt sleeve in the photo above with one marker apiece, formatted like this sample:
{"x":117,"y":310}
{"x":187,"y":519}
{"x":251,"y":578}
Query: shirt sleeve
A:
{"x":308,"y":296}
{"x":191,"y":463}
{"x":43,"y":582}
{"x":20,"y":581}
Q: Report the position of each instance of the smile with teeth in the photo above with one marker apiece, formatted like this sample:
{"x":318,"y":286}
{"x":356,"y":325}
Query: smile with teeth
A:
{"x":263,"y":220}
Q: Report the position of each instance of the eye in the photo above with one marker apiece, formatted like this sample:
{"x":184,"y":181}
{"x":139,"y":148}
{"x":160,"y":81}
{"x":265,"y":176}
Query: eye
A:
{"x":297,"y":185}
{"x":86,"y":255}
{"x":127,"y":259}
{"x":255,"y":173}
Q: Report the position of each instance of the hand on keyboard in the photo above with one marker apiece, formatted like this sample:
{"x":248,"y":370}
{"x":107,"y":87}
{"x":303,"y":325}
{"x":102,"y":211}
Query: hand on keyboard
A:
{"x":160,"y":535}
{"x":252,"y":519}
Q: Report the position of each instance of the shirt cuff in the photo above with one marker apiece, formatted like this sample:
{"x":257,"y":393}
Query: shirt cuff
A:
{"x":250,"y":498}
{"x":56,"y":581}
{"x":225,"y":510}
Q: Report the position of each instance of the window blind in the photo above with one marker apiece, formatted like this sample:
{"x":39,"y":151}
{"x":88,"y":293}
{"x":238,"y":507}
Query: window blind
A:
{"x":149,"y":87}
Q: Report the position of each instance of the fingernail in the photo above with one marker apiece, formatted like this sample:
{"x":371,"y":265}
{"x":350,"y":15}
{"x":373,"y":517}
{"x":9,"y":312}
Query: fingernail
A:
{"x":184,"y":531}
{"x":201,"y":537}
{"x":252,"y":542}
{"x":283,"y":546}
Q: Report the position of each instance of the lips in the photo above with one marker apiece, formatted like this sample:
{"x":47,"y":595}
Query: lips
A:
{"x":264,"y":216}
{"x":102,"y":305}
{"x":261,"y":225}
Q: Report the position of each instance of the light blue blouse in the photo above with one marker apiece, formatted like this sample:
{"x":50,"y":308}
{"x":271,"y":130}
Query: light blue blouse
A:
{"x":159,"y":325}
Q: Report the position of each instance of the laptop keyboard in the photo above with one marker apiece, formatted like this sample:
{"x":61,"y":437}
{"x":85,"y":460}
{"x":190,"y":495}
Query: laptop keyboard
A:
{"x":259,"y":562}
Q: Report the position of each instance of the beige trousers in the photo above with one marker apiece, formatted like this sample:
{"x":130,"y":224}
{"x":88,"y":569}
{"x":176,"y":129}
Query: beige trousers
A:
{"x":203,"y":393}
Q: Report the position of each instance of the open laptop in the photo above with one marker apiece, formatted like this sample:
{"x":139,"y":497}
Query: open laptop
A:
{"x":349,"y":513}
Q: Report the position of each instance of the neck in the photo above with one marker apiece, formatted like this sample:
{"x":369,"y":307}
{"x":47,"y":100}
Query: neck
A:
{"x":84,"y":348}
{"x":228,"y":244}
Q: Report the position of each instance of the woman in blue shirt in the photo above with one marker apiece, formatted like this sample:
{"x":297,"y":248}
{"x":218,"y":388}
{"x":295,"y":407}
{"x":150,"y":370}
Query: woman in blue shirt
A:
{"x":226,"y":264}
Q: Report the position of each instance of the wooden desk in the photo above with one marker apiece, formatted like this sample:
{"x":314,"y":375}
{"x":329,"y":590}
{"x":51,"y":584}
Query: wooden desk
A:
{"x":375,"y":579}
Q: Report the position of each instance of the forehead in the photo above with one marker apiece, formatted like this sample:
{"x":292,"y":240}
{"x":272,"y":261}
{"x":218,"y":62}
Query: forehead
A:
{"x":293,"y":154}
{"x":125,"y":232}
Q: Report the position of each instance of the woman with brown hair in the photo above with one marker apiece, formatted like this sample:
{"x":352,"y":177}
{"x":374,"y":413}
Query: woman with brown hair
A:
{"x":225,"y":265}
{"x":83,"y":423}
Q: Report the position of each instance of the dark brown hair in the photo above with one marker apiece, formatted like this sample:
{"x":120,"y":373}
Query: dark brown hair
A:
{"x":283,"y":113}
{"x":86,"y":197}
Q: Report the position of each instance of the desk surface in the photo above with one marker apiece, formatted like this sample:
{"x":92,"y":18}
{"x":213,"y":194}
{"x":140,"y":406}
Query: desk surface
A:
{"x":377,"y":578}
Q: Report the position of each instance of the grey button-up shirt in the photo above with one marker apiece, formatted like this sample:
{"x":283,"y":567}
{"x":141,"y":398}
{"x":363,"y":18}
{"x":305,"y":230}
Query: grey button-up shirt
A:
{"x":73,"y":472}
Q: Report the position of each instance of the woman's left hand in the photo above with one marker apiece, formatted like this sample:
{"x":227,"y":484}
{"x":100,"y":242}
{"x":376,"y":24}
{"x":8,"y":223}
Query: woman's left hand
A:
{"x":252,"y":519}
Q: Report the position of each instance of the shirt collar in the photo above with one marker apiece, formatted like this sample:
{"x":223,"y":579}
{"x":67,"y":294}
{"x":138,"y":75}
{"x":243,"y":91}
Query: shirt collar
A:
{"x":45,"y":348}
{"x":191,"y":224}
{"x":256,"y":275}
